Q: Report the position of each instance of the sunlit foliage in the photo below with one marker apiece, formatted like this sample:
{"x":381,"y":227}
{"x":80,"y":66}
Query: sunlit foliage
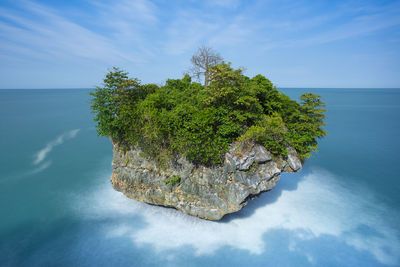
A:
{"x":185,"y":118}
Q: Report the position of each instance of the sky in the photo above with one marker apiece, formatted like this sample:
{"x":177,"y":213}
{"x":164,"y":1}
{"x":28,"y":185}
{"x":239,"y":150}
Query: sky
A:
{"x":294,"y":43}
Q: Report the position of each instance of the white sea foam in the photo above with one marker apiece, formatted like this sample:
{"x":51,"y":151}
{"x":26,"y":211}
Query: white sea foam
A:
{"x":41,"y":155}
{"x":41,"y":167}
{"x":319,"y":206}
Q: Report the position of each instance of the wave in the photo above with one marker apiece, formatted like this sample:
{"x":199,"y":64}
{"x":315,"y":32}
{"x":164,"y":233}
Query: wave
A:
{"x":317,"y":207}
{"x":41,"y":154}
{"x":41,"y":167}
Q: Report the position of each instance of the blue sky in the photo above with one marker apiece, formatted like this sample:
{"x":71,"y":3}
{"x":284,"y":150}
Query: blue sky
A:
{"x":295,"y":43}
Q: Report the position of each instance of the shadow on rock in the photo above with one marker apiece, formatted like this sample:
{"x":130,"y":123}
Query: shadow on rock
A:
{"x":288,"y":182}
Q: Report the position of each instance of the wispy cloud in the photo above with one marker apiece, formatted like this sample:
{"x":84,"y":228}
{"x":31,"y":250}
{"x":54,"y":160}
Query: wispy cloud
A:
{"x":186,"y":32}
{"x":145,"y":35}
{"x":359,"y":26}
{"x":333,"y":27}
{"x":129,"y":24}
{"x":46,"y":32}
{"x":143,"y":11}
{"x":224,"y":3}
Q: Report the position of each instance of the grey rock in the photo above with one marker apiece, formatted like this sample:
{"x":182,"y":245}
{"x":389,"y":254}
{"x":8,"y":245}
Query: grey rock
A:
{"x":230,"y":163}
{"x":293,"y":161}
{"x":236,"y":193}
{"x":261,"y":154}
{"x":249,"y":180}
{"x":246,"y":157}
{"x":208,"y":193}
{"x":267,"y":171}
{"x":241,"y":157}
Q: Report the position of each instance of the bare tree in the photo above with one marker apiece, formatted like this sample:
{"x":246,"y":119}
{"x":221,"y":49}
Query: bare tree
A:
{"x":202,"y":60}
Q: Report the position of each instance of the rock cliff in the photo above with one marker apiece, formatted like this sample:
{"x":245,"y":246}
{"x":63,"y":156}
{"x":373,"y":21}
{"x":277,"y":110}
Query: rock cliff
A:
{"x":208,"y":193}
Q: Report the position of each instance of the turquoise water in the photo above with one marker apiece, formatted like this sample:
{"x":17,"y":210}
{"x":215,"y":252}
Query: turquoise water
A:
{"x":59,"y":209}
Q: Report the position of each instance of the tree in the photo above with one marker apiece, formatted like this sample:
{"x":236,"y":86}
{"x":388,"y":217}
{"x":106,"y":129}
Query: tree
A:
{"x":113,"y":102}
{"x":313,"y":107}
{"x":306,"y":125}
{"x":182,"y":118}
{"x":202,"y":60}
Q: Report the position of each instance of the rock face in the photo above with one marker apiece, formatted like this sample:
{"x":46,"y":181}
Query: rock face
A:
{"x":208,"y":193}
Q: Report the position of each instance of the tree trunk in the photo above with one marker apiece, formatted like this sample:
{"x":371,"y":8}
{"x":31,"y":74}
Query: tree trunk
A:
{"x":205,"y":79}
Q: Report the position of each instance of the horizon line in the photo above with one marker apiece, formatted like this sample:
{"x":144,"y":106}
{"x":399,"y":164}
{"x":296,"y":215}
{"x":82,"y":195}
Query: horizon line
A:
{"x":279,"y":87}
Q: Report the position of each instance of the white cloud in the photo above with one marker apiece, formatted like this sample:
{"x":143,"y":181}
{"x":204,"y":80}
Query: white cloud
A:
{"x":224,"y":3}
{"x":359,"y":26}
{"x":47,"y":32}
{"x":129,"y":23}
{"x":186,"y":33}
{"x":143,"y":36}
{"x":335,"y":29}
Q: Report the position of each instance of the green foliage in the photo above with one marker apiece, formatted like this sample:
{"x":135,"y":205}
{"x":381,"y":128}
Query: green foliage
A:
{"x":173,"y":180}
{"x":305,"y":125}
{"x":252,"y":168}
{"x":185,"y":118}
{"x":270,"y":132}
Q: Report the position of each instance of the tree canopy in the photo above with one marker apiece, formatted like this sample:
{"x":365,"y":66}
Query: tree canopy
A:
{"x":187,"y":118}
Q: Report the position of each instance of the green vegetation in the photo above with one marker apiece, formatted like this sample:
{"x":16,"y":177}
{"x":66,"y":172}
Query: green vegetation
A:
{"x":173,"y":180}
{"x":186,"y":118}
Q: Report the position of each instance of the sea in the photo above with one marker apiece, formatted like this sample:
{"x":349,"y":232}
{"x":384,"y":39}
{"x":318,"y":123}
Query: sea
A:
{"x":58,"y":207}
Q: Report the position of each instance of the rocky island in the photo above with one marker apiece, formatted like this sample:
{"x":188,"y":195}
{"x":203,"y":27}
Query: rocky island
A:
{"x":206,"y":192}
{"x":204,"y":149}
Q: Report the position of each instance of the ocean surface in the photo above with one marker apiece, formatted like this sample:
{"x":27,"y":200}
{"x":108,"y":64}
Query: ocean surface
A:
{"x":58,"y":207}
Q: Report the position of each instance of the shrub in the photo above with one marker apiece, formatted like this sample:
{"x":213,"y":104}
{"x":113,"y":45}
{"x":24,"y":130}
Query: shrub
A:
{"x":185,"y":118}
